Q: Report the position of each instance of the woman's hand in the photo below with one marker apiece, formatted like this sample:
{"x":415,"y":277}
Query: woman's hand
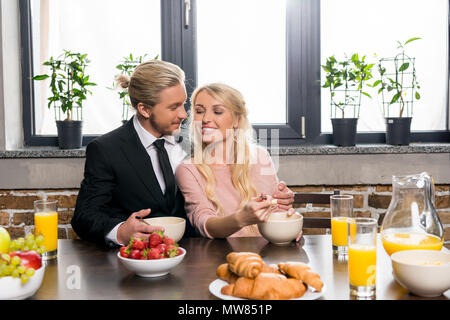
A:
{"x":255,"y":211}
{"x":133,"y":227}
{"x":285,"y":198}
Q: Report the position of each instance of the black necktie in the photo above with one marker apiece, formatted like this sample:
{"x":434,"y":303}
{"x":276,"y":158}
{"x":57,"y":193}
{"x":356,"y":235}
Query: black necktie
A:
{"x":166,"y":169}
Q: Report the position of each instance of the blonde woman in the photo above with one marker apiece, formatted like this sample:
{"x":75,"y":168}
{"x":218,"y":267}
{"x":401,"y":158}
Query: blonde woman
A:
{"x":228,"y":184}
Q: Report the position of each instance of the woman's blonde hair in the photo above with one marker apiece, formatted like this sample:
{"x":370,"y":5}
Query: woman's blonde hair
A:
{"x":149,"y":79}
{"x":240,"y":158}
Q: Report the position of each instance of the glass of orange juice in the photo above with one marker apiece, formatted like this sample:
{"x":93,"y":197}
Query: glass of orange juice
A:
{"x":362,"y":257}
{"x":341,"y":210}
{"x":46,"y":224}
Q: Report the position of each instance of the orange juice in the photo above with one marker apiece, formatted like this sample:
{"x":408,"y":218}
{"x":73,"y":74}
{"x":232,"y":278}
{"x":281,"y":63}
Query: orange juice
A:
{"x":394,"y":242}
{"x":47,"y":224}
{"x":339,"y":233}
{"x":362,"y":261}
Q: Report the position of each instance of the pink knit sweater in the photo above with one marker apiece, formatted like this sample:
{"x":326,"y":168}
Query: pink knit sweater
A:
{"x":193,"y":186}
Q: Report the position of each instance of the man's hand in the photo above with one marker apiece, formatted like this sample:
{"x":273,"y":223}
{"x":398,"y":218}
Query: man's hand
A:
{"x":133,"y":227}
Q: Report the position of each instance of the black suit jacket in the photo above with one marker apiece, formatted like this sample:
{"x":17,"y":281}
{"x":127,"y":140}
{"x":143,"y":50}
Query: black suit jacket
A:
{"x":119,"y":180}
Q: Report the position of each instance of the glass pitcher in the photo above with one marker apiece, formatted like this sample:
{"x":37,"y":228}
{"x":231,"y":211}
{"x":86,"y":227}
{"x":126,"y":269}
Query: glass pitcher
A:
{"x":411,"y":221}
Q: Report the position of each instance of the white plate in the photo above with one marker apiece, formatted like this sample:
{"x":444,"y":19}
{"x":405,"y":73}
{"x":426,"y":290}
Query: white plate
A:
{"x":216,"y":286}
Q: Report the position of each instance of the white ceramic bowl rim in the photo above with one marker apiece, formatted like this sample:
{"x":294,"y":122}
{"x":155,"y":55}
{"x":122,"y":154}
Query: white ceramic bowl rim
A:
{"x":399,"y":257}
{"x":157,"y":219}
{"x":294,"y":217}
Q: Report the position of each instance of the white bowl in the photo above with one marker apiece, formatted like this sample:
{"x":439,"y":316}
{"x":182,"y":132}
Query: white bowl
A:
{"x":151,"y":268}
{"x":13,"y":289}
{"x":280,"y":229}
{"x":173,"y":226}
{"x":415,"y":271}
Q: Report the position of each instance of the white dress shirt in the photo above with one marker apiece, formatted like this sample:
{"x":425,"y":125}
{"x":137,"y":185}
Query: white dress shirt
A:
{"x":176,"y":155}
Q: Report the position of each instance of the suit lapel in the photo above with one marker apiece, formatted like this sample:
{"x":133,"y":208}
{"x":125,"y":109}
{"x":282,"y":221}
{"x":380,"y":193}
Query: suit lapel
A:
{"x":136,"y":154}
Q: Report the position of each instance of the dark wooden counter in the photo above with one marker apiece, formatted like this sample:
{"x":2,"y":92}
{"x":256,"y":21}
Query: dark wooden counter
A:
{"x":101,"y":276}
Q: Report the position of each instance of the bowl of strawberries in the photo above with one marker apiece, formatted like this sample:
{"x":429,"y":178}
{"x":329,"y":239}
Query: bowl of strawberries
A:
{"x":152,"y":257}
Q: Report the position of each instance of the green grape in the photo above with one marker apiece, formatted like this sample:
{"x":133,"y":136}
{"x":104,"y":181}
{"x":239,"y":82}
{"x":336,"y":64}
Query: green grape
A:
{"x":6,"y":257}
{"x":21,"y":269}
{"x":29,"y":243}
{"x":42,"y":248}
{"x":40,"y":239}
{"x":29,"y":272}
{"x":2,"y":269}
{"x":15,"y":261}
{"x":20,"y":242}
{"x":24,"y":278}
{"x":25,"y":248}
{"x":13,"y":246}
{"x":29,"y":237}
{"x":9,"y":269}
{"x":15,"y":273}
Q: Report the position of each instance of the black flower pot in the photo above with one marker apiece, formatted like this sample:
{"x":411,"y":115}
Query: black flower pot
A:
{"x":398,"y":131}
{"x":69,"y":134}
{"x":344,"y":131}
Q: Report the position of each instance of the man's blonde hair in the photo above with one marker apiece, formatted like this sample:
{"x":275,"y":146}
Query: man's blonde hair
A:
{"x":149,"y":79}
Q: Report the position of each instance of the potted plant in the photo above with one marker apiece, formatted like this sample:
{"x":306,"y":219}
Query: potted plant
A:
{"x":346,"y":80}
{"x":126,"y":67}
{"x":398,"y":86}
{"x":68,"y":85}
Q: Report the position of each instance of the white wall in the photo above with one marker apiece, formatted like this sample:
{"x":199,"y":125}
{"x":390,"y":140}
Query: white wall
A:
{"x":11,"y":135}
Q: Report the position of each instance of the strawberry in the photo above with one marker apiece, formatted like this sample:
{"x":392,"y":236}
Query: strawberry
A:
{"x":168,"y":241}
{"x":171,"y":251}
{"x":124,"y":252}
{"x":179,"y":252}
{"x":144,"y":254}
{"x":138,"y":244}
{"x":161,"y":247}
{"x":154,"y":254}
{"x":135,"y":254}
{"x":155,"y":239}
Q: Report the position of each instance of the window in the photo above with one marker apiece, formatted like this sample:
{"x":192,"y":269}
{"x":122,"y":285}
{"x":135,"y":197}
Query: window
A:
{"x":243,"y":44}
{"x":270,"y":50}
{"x":348,"y":27}
{"x":107,"y":37}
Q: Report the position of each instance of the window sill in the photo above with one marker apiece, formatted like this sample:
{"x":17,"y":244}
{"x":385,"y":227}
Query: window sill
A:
{"x":362,"y":149}
{"x":55,"y":152}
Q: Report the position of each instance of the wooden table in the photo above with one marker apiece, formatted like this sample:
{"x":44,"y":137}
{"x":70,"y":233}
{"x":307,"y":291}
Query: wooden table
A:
{"x":100,"y":275}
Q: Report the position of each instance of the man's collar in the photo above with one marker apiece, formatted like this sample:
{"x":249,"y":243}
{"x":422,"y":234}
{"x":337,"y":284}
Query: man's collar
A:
{"x":146,"y":137}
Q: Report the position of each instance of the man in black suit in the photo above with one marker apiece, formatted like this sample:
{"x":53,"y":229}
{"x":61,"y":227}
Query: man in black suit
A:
{"x":129,"y":171}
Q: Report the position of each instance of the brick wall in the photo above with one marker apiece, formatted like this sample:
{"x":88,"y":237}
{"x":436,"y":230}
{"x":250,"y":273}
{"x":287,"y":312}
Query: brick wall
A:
{"x":16,"y":206}
{"x":17,"y":215}
{"x":372,"y":201}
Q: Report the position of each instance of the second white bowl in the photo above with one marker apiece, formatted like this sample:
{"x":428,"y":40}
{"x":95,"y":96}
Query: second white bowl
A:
{"x":281,"y":229}
{"x":173,"y":226}
{"x":425,"y":273}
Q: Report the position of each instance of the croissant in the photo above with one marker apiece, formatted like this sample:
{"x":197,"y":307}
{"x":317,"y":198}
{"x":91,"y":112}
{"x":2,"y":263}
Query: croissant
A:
{"x":270,"y":268}
{"x":302,"y":271}
{"x":245,"y":264}
{"x":266,"y":286}
{"x":224,"y":273}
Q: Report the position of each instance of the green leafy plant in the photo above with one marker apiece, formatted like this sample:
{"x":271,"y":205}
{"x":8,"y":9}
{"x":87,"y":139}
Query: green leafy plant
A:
{"x":69,"y":83}
{"x":346,"y":80}
{"x":126,"y":67}
{"x":398,"y":83}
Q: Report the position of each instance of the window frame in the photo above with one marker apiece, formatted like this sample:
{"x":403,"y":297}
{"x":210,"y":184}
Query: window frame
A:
{"x":179,"y":47}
